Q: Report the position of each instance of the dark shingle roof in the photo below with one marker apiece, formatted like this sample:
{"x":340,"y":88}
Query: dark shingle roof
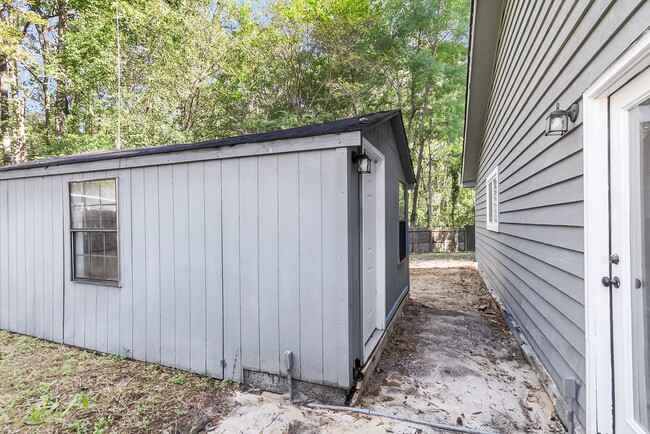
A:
{"x":358,"y":123}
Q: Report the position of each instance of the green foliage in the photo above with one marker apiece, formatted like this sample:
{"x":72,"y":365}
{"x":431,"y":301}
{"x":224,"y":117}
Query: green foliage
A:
{"x":48,"y":408}
{"x":193,"y":70}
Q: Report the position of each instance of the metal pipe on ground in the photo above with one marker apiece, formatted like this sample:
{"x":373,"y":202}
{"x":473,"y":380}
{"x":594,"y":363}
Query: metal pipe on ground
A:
{"x":439,"y":426}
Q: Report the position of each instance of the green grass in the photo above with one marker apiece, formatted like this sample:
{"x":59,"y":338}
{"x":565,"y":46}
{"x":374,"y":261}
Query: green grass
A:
{"x":451,"y":256}
{"x":47,"y":387}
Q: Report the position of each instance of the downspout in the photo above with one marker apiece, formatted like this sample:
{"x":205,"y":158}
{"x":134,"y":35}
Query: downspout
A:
{"x":571,"y":386}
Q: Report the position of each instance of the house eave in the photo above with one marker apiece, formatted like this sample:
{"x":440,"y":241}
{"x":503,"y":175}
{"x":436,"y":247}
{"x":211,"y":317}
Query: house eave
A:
{"x":484,"y":37}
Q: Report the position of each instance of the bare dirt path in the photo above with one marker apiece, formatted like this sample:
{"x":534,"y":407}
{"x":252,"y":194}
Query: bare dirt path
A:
{"x":452,"y":360}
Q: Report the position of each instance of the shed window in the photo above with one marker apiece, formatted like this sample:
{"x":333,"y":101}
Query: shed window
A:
{"x":492,"y":199}
{"x":93,"y":225}
{"x":402,"y":226}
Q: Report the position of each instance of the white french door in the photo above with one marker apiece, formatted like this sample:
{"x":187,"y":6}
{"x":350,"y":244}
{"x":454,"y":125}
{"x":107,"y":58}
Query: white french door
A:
{"x":630,"y":248}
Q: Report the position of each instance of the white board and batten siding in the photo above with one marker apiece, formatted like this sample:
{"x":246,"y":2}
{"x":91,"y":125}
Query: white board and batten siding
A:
{"x":225,"y":264}
{"x":535,"y":262}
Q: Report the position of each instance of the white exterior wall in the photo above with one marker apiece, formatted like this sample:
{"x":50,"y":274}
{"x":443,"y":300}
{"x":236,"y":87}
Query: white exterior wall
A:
{"x":237,"y":259}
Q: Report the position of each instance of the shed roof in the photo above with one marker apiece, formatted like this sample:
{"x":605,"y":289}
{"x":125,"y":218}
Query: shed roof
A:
{"x":484,"y":37}
{"x":358,"y":123}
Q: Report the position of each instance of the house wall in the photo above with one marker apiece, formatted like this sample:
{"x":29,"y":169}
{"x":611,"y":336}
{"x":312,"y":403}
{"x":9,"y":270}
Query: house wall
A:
{"x":237,"y":259}
{"x":397,"y":273}
{"x":548,"y":52}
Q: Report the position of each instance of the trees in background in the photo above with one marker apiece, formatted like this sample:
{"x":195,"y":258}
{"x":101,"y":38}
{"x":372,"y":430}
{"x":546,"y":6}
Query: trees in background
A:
{"x":193,"y":70}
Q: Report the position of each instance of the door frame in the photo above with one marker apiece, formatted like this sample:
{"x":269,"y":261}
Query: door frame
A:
{"x":596,"y":142}
{"x":379,"y":170}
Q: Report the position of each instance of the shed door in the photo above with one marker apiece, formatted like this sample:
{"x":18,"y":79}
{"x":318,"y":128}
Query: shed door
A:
{"x":373,"y":250}
{"x":630,"y":242}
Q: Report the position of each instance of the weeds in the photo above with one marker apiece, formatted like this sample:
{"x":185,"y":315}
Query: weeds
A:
{"x":48,"y":387}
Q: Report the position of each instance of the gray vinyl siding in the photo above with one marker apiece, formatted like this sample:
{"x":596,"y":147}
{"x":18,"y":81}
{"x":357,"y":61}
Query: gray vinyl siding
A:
{"x":548,"y":52}
{"x":397,"y":273}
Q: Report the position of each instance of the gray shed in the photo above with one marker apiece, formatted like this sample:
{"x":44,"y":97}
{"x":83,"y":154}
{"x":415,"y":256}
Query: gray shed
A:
{"x":216,"y":257}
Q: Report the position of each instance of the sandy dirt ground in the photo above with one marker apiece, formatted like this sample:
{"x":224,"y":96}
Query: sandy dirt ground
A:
{"x":451,"y":360}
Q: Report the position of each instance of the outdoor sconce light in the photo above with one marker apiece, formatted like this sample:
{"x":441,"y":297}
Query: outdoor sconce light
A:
{"x":557,"y":123}
{"x":362,"y":161}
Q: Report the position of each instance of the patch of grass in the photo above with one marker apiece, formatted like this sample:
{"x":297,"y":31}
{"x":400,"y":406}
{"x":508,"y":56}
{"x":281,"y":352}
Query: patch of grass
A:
{"x":445,"y":256}
{"x":47,"y":387}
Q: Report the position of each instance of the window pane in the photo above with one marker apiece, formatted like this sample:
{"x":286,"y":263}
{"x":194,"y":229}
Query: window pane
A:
{"x":81,"y":266}
{"x":96,"y":243}
{"x":76,"y":194}
{"x":110,"y":244}
{"x":91,"y":193}
{"x":111,"y":268}
{"x":489,"y":203}
{"x":495,"y":201}
{"x":81,"y":243}
{"x":403,"y":230}
{"x":107,"y":191}
{"x":109,"y":217}
{"x":77,"y":217}
{"x":92,"y":217}
{"x":97,"y":267}
{"x":402,"y":201}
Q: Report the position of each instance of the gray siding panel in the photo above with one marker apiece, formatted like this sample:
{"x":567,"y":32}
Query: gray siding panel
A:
{"x":269,"y":292}
{"x":311,"y":271}
{"x":249,"y":263}
{"x":231,"y":270}
{"x":138,"y":219}
{"x":197,"y":268}
{"x":289,"y":259}
{"x":548,"y":52}
{"x":213,"y":269}
{"x":152,"y":264}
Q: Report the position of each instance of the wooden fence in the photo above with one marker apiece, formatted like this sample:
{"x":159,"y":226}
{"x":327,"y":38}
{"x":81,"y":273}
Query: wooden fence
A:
{"x":441,"y":239}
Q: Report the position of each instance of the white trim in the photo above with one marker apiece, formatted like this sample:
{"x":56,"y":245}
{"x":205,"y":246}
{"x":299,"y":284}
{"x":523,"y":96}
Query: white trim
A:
{"x":380,"y":226}
{"x":596,"y":228}
{"x":489,"y":224}
{"x":381,"y":230}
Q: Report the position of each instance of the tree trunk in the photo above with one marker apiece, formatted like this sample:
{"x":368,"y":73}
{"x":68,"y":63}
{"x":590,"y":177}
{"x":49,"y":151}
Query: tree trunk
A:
{"x":19,"y":147}
{"x":421,"y":143}
{"x":60,"y":96}
{"x":5,"y":131}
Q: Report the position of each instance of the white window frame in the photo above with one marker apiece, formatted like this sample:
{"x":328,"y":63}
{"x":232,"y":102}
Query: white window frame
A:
{"x":492,"y":201}
{"x":72,"y":231}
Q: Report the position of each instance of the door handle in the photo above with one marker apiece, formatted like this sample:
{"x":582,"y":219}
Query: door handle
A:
{"x":614,"y":281}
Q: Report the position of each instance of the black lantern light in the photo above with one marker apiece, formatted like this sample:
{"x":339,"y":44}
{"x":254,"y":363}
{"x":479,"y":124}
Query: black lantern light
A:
{"x":362,"y":161}
{"x":557,"y":123}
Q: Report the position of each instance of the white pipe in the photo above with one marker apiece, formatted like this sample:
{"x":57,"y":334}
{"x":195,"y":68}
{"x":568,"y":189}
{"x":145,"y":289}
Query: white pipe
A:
{"x":289,"y":356}
{"x":402,"y":418}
